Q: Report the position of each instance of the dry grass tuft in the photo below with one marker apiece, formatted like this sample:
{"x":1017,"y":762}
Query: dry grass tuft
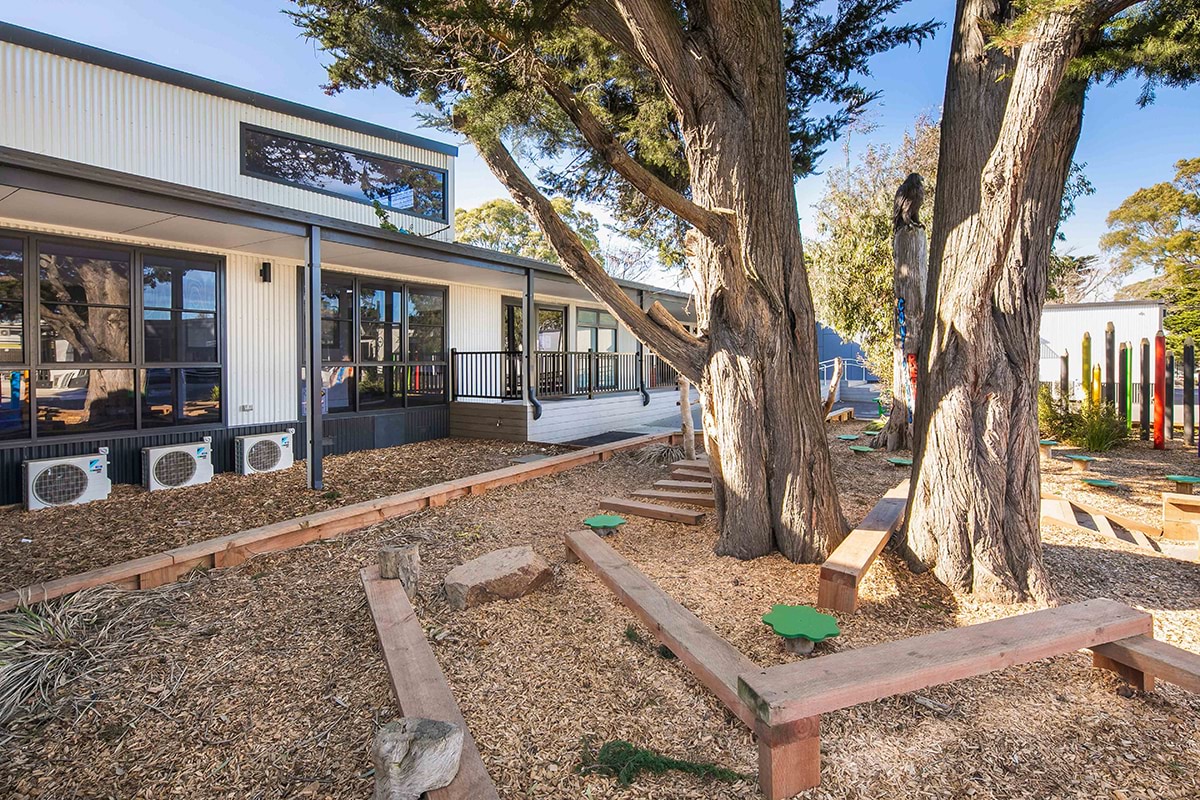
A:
{"x":660,"y":453}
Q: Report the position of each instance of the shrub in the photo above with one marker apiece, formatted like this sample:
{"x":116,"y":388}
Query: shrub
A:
{"x":1055,"y":419}
{"x":1096,"y":427}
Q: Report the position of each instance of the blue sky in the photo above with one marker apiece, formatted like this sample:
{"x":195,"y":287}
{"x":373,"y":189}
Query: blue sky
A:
{"x":250,"y":43}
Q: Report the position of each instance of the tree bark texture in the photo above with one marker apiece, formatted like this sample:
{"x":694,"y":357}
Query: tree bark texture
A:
{"x":685,"y":419}
{"x":1008,"y":134}
{"x":910,"y":250}
{"x":839,"y":369}
{"x":755,"y":362}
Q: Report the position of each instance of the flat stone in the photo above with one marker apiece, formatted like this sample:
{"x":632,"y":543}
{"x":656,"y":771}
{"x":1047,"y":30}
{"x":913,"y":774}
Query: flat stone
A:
{"x":414,"y":755}
{"x":499,"y":575}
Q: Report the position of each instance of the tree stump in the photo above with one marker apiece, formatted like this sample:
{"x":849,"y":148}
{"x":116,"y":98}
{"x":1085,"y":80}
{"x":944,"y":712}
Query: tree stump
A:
{"x":413,"y":756}
{"x":403,"y":563}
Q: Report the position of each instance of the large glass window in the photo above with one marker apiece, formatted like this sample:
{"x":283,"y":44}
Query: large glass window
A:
{"x":394,"y":184}
{"x":106,"y":357}
{"x":595,"y":330}
{"x":400,"y":359}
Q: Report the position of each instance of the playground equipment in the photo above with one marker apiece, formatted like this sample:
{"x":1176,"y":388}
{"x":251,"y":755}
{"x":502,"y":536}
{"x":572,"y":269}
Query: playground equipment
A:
{"x":1101,"y":483}
{"x":1046,"y":446}
{"x":843,"y":571}
{"x":1179,"y":536}
{"x":861,"y":448}
{"x":900,"y":461}
{"x":604,"y":524}
{"x":800,"y":627}
{"x":1184,"y":484}
{"x":1080,"y":462}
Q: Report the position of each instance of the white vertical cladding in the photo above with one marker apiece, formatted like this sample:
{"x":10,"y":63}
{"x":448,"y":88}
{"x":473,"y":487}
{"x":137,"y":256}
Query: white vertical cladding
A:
{"x":475,"y":320}
{"x":262,"y":341}
{"x":1063,"y":328}
{"x":82,"y":112}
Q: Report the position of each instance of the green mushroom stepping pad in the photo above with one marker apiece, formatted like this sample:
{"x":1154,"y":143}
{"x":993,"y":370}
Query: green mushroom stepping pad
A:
{"x":605,"y":523}
{"x":801,"y":622}
{"x":1080,"y":463}
{"x":1101,"y":483}
{"x":900,"y":462}
{"x":848,"y":437}
{"x":1184,"y":483}
{"x":861,"y":448}
{"x":1048,"y":442}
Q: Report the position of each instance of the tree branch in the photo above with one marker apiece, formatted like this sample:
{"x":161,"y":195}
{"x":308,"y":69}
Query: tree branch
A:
{"x":658,"y":329}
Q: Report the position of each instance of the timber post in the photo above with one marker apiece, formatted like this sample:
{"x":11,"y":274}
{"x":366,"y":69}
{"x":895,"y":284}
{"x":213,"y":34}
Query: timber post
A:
{"x":1085,"y":367}
{"x":1189,"y":391}
{"x":1160,"y":389}
{"x":1170,"y":395}
{"x":1110,"y":351}
{"x":1144,"y":411}
{"x":1064,"y":379}
{"x":1123,"y":388}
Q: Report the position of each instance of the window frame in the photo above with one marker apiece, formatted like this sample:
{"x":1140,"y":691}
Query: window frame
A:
{"x":615,"y":328}
{"x":357,"y":362}
{"x":244,"y":169}
{"x":137,"y":364}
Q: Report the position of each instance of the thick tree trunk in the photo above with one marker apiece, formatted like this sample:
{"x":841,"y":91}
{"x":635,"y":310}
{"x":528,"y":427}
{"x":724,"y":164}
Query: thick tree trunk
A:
{"x":910,"y":250}
{"x":685,"y":418}
{"x":975,"y":500}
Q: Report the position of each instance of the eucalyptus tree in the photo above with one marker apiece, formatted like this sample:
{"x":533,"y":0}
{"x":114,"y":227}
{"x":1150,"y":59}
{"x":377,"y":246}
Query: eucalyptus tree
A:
{"x":691,"y":119}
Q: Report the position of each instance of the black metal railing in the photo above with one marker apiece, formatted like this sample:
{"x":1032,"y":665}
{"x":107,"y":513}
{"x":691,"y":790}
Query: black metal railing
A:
{"x":498,"y":375}
{"x":487,"y":375}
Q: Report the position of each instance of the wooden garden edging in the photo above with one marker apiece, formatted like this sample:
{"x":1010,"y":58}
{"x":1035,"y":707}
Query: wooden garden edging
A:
{"x":232,"y":549}
{"x":843,"y":571}
{"x":418,"y":682}
{"x":1073,"y":514}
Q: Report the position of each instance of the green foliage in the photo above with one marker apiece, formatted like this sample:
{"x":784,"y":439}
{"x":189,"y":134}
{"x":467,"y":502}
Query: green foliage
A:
{"x":665,"y":653}
{"x":1096,"y":427}
{"x":481,"y":67}
{"x":503,"y":225}
{"x":632,"y":635}
{"x":850,"y":261}
{"x":624,"y":761}
{"x":1159,"y":227}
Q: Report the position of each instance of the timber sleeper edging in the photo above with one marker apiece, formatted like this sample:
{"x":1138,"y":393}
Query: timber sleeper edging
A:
{"x":230,"y":550}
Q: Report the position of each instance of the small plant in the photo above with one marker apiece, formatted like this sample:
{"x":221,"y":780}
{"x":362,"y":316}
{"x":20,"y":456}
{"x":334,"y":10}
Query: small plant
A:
{"x":664,"y":652}
{"x":625,"y":762}
{"x":1098,"y":428}
{"x":1055,"y":419}
{"x":632,"y":635}
{"x":332,"y":494}
{"x":660,"y":454}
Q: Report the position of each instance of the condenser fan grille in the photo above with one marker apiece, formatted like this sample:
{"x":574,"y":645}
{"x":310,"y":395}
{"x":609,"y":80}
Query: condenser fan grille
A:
{"x":264,"y":455}
{"x":60,"y":484}
{"x":175,"y":468}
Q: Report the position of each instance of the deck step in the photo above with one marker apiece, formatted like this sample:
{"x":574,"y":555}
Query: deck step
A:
{"x":697,"y":486}
{"x":697,"y":463}
{"x":695,"y":499}
{"x":690,"y":474}
{"x":652,"y":511}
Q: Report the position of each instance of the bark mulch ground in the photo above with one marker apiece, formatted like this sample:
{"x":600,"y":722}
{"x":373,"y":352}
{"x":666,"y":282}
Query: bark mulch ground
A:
{"x":50,"y":543}
{"x":265,"y":681}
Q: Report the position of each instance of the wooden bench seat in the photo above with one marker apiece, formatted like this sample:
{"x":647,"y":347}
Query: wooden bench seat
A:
{"x":848,"y":563}
{"x":715,"y":662}
{"x":793,"y":696}
{"x":692,"y":498}
{"x":652,"y":510}
{"x":840,"y":415}
{"x":420,"y":687}
{"x":1141,"y":659}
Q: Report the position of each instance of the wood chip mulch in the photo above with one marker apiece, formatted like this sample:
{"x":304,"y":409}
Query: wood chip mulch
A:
{"x":50,"y":543}
{"x":269,"y":683}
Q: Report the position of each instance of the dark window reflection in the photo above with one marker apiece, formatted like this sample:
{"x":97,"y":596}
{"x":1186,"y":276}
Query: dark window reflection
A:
{"x":181,"y":396}
{"x":426,"y":384}
{"x":84,"y":400}
{"x":339,"y":389}
{"x":358,"y":176}
{"x":380,"y":387}
{"x":12,"y":300}
{"x":180,"y":299}
{"x":88,"y":334}
{"x":180,"y":336}
{"x":84,"y":290}
{"x":14,"y":404}
{"x":426,"y":325}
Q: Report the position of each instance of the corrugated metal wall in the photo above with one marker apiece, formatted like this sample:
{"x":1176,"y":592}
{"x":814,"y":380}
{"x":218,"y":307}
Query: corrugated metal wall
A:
{"x":1063,"y":328}
{"x":475,"y":318}
{"x":262,"y":341}
{"x":82,"y":112}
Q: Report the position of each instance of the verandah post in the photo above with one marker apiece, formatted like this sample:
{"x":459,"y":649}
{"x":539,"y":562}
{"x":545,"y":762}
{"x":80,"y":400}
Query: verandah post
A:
{"x":529,"y":342}
{"x":1144,"y":411}
{"x":315,"y":388}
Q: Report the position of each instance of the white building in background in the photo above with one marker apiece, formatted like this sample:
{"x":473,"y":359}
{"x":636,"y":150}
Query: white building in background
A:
{"x":1063,"y":327}
{"x":161,"y":238}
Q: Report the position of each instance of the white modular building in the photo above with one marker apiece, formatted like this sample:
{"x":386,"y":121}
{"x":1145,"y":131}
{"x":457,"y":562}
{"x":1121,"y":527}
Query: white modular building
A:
{"x":1063,"y":327}
{"x":176,"y":253}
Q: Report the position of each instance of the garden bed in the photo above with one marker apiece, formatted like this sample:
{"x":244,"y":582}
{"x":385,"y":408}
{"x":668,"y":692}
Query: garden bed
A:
{"x":266,"y":681}
{"x":40,"y":545}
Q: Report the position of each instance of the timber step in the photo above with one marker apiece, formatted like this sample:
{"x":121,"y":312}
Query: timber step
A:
{"x":652,"y":511}
{"x":695,"y":463}
{"x":680,"y":474}
{"x":715,"y":662}
{"x":843,"y":571}
{"x":695,"y":499}
{"x":698,"y":486}
{"x":420,"y":687}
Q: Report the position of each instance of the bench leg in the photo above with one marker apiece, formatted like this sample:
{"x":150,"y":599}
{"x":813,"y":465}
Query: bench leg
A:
{"x":1142,"y":681}
{"x":789,"y":758}
{"x":837,"y":591}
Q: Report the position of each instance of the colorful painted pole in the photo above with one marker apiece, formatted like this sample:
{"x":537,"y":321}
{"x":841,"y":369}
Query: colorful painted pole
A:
{"x":1144,"y":412}
{"x":1097,"y":385}
{"x":1123,"y":384}
{"x":1189,"y":391}
{"x":1064,"y":379}
{"x":1085,"y":367}
{"x":1110,"y":354}
{"x":1170,"y":396}
{"x":1129,"y":386}
{"x":1160,"y":390}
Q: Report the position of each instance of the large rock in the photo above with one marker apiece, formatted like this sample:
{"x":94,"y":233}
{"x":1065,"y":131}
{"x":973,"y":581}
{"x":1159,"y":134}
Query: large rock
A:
{"x":413,"y":756}
{"x":499,"y":575}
